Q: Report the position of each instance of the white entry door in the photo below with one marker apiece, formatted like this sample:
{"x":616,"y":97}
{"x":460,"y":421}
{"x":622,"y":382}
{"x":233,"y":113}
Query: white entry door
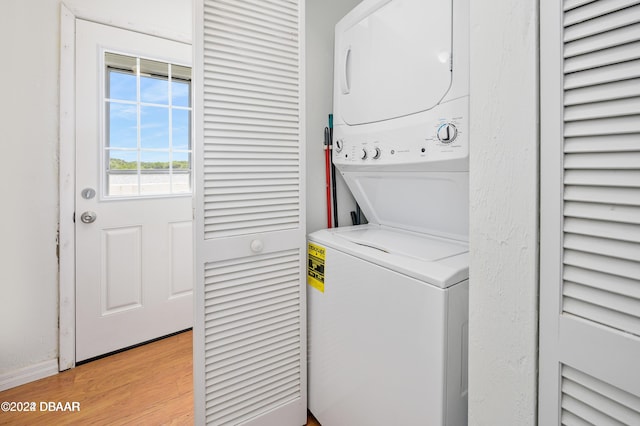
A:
{"x":133,"y":217}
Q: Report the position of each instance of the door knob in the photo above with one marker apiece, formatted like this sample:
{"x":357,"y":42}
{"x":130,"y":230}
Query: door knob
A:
{"x":88,"y":217}
{"x":257,"y":246}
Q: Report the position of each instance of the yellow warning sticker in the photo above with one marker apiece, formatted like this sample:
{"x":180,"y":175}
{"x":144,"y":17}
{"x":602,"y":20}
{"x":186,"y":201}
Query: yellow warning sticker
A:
{"x":315,"y":266}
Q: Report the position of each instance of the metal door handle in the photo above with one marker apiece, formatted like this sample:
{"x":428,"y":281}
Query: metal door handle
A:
{"x":88,"y":217}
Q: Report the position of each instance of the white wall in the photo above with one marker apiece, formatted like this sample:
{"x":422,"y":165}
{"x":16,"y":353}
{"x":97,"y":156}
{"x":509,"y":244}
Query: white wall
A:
{"x":29,"y":287}
{"x":321,"y":18}
{"x":504,"y":213}
{"x":30,"y":34}
{"x":168,"y":18}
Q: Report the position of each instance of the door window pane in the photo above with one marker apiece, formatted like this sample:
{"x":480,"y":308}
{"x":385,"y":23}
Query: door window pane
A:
{"x":181,"y":161}
{"x":180,"y":86}
{"x":123,"y":125}
{"x":154,"y":127}
{"x":155,"y":174}
{"x":181,"y":178}
{"x":121,"y":160}
{"x":154,"y":82}
{"x":181,"y":129}
{"x":122,"y":86}
{"x":154,"y":161}
{"x":121,"y":77}
{"x":147,"y":140}
{"x":122,"y":172}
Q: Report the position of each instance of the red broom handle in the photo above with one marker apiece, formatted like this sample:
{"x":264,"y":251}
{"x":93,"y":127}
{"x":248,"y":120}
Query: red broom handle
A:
{"x":327,"y":157}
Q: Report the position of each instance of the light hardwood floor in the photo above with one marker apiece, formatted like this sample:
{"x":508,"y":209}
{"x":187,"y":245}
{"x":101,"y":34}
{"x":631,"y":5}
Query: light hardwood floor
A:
{"x":147,"y":385}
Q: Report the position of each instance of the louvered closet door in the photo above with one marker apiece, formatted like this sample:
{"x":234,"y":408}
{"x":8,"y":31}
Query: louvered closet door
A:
{"x":590,"y":213}
{"x":250,"y":333}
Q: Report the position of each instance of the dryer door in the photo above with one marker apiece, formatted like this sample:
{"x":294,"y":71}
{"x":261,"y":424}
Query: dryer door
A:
{"x":392,"y":59}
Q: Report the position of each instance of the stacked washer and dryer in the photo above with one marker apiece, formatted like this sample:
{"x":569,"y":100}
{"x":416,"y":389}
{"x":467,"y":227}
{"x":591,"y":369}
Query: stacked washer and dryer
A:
{"x":388,"y":330}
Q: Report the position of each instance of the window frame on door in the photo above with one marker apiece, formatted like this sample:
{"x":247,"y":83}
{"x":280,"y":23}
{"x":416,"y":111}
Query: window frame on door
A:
{"x":105,"y":148}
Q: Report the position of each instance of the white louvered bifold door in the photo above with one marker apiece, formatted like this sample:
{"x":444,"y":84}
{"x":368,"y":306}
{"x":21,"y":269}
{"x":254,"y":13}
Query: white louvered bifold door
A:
{"x":590,"y":213}
{"x":250,"y":326}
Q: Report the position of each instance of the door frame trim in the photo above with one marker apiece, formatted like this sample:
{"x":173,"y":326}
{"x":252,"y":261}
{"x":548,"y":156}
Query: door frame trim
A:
{"x":551,"y":212}
{"x":67,"y":176}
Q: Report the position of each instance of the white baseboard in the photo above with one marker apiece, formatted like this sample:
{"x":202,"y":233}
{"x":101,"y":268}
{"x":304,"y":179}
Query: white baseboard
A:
{"x":28,"y":374}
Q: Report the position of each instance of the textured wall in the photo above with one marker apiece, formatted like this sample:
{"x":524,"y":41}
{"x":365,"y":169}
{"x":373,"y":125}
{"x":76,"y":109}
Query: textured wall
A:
{"x":28,"y":176}
{"x":504,"y":213}
{"x":321,"y":18}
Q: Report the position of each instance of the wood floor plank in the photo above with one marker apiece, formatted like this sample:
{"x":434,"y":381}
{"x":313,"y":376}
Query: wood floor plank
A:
{"x":148,"y":385}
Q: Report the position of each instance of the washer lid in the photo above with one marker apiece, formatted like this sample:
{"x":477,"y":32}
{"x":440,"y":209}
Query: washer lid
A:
{"x":402,"y":243}
{"x":432,"y":203}
{"x":393,"y":58}
{"x":438,"y":261}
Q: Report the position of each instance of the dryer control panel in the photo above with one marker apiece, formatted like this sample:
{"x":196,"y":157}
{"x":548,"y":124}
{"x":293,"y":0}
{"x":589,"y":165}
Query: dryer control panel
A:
{"x":432,"y":140}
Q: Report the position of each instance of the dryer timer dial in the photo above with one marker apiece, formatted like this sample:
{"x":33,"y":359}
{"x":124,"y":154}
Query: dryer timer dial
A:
{"x":375,"y":153}
{"x":447,"y":133}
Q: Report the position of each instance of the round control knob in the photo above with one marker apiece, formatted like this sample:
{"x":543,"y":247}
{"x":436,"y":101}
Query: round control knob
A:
{"x":363,"y":154}
{"x":447,"y":133}
{"x":339,"y":145}
{"x":375,"y":154}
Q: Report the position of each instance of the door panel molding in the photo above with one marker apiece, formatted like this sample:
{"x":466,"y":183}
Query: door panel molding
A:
{"x":121,"y":281}
{"x":179,"y":265}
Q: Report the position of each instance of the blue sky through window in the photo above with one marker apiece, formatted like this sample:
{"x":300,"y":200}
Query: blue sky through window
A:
{"x":154,"y":127}
{"x":154,"y":90}
{"x":148,"y":118}
{"x":122,"y":86}
{"x":180,"y":93}
{"x":154,"y":120}
{"x":180,"y":128}
{"x":123,"y":125}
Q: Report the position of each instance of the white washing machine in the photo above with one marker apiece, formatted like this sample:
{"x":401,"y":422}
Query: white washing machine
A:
{"x":388,"y":333}
{"x":388,"y":301}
